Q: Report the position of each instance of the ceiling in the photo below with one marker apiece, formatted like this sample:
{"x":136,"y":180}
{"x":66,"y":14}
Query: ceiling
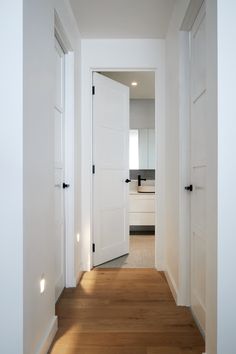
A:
{"x":145,"y":80}
{"x":123,"y":18}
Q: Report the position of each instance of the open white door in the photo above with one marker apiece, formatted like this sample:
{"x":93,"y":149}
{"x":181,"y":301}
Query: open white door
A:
{"x":111,"y":161}
{"x":198,"y":167}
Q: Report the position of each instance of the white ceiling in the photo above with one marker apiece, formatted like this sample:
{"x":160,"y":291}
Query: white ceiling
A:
{"x":123,"y":18}
{"x":145,"y":79}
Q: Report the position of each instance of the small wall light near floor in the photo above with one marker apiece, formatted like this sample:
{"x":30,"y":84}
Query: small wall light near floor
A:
{"x":42,"y":284}
{"x":78,"y":237}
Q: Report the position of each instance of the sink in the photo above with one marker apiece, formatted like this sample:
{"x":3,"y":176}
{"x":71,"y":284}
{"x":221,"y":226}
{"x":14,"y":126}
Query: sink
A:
{"x":146,"y":189}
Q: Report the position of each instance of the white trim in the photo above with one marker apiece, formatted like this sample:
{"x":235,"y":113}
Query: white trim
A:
{"x":59,"y":285}
{"x":138,"y":55}
{"x":48,"y":338}
{"x":79,"y":277}
{"x":172,"y":285}
{"x":184,"y":170}
{"x":70,"y":246}
{"x":191,"y":14}
{"x":160,"y":164}
{"x":203,"y":333}
{"x":69,"y":195}
{"x":60,"y":34}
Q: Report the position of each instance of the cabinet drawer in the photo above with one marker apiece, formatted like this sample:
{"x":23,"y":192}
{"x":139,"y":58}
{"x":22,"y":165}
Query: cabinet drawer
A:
{"x":141,"y":205}
{"x":142,"y":218}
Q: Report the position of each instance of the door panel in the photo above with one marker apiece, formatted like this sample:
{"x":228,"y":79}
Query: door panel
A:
{"x":198,"y":167}
{"x":199,"y":54}
{"x":59,"y":170}
{"x":111,"y":158}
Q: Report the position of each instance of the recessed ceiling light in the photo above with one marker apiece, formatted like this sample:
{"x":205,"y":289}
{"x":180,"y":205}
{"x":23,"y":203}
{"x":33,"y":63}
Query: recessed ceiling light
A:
{"x":134,"y":83}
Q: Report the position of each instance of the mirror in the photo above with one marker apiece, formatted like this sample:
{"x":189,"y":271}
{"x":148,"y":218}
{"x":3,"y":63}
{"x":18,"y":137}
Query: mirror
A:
{"x":142,"y":149}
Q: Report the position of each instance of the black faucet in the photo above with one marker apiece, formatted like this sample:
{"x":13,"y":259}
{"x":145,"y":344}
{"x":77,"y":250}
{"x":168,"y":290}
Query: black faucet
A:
{"x":140,"y":179}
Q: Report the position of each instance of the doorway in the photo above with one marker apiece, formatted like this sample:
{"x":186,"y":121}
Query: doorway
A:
{"x":139,"y":155}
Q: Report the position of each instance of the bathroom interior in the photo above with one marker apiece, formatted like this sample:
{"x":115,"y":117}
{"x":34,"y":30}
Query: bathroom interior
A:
{"x":142,"y":177}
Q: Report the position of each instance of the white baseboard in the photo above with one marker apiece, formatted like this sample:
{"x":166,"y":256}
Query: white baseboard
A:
{"x":79,"y":276}
{"x":172,"y":285}
{"x":48,"y":338}
{"x":59,"y":286}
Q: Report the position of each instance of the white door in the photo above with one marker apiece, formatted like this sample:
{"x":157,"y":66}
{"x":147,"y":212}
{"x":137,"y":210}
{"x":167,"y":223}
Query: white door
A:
{"x":59,"y":168}
{"x":111,"y":160}
{"x":198,"y":167}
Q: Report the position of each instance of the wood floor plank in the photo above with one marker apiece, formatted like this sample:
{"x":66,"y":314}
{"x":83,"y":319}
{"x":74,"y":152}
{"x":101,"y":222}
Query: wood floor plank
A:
{"x":128,"y":311}
{"x":99,"y":350}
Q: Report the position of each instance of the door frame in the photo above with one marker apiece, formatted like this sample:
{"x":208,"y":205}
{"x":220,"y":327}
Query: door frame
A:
{"x":159,"y":166}
{"x":69,"y":153}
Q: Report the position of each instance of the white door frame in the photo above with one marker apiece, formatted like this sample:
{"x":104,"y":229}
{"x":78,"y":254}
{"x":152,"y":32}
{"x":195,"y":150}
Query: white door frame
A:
{"x":159,"y":166}
{"x":184,"y":170}
{"x":69,"y":153}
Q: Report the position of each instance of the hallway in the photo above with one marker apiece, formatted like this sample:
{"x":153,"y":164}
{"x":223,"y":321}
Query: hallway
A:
{"x":124,"y":311}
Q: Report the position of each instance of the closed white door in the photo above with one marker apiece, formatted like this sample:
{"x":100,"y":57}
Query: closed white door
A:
{"x":111,"y":160}
{"x":198,"y":167}
{"x":59,"y":168}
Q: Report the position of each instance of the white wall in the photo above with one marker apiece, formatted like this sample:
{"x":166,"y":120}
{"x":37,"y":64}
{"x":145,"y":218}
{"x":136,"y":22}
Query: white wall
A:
{"x":212,"y":177}
{"x":142,"y":113}
{"x":11,"y":157}
{"x":118,"y":54}
{"x":226,"y":287}
{"x":173,"y":146}
{"x":27,"y":154}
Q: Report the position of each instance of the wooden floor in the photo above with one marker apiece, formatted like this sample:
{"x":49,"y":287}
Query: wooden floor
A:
{"x":124,"y":311}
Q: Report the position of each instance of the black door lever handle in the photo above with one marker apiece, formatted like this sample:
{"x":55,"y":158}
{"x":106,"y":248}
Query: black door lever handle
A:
{"x":65,"y":185}
{"x":189,"y":188}
{"x":127,"y":180}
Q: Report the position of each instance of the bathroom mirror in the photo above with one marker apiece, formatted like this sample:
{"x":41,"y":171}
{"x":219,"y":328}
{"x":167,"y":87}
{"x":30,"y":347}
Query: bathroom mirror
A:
{"x":142,"y":149}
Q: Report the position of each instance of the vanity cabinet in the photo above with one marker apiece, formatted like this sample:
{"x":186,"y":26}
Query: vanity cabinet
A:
{"x":141,"y":209}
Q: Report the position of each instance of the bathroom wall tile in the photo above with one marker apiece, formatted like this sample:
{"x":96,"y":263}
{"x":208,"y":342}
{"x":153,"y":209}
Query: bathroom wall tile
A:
{"x":148,"y":174}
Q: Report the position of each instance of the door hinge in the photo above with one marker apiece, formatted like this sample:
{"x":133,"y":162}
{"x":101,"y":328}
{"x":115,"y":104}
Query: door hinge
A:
{"x":93,"y":90}
{"x":93,"y":247}
{"x":93,"y":169}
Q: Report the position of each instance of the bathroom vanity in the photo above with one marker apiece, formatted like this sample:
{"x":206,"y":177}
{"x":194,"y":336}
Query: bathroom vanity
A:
{"x":142,"y":204}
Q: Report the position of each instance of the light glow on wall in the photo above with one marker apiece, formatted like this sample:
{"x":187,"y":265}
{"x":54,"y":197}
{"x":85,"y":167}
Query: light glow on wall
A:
{"x":42,"y":284}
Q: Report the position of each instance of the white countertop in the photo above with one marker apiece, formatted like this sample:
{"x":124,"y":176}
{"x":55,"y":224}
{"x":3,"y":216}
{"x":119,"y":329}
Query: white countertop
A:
{"x":134,"y":186}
